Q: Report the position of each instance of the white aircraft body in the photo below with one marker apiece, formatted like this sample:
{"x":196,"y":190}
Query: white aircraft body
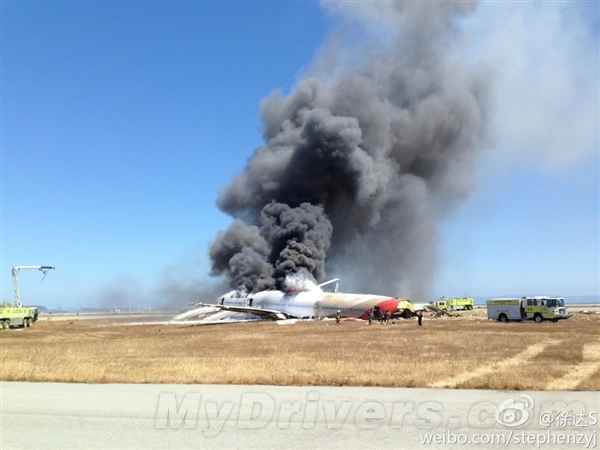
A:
{"x":305,"y":304}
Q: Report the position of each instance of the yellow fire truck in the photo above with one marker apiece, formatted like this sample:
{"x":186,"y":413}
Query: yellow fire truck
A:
{"x":455,"y":303}
{"x":11,"y":315}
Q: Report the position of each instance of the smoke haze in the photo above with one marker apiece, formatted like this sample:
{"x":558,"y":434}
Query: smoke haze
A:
{"x":362,"y":159}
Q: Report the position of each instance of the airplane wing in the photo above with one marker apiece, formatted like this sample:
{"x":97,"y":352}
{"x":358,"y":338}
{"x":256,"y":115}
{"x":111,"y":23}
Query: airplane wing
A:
{"x":423,"y":307}
{"x":211,"y":315}
{"x":265,"y":313}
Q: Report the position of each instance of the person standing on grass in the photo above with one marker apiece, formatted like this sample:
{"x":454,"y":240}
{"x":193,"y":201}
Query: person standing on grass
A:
{"x":370,"y":317}
{"x":387,"y":317}
{"x":338,"y":317}
{"x":420,"y":317}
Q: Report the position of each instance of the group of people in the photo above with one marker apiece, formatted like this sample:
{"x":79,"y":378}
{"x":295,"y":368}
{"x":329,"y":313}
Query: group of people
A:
{"x":381,"y":318}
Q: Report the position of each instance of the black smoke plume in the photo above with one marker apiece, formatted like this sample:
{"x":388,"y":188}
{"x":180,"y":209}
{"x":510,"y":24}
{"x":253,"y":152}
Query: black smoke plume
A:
{"x":362,"y":159}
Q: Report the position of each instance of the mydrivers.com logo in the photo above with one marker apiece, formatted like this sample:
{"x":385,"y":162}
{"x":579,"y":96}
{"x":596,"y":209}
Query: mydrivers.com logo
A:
{"x":513,"y":413}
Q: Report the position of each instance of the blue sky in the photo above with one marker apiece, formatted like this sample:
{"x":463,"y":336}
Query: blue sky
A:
{"x":122,"y":120}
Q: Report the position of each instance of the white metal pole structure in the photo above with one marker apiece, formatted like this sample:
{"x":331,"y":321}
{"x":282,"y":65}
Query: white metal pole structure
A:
{"x":337,"y":284}
{"x":15,"y":271}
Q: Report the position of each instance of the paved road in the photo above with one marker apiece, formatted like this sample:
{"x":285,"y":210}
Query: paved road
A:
{"x":117,"y":416}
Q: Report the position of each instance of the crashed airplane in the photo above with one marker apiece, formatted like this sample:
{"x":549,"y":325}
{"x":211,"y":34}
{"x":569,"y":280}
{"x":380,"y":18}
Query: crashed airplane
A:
{"x":312,"y":303}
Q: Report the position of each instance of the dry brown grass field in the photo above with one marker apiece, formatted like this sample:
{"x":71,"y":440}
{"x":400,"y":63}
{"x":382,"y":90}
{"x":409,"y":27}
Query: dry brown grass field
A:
{"x":464,"y":352}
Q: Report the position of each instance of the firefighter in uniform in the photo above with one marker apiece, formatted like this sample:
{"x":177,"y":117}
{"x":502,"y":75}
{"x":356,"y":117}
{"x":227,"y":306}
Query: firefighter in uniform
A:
{"x":338,"y":317}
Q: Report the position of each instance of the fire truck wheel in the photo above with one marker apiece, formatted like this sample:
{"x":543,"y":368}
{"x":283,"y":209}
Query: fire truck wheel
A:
{"x":538,"y":318}
{"x":503,"y":318}
{"x":1,"y":324}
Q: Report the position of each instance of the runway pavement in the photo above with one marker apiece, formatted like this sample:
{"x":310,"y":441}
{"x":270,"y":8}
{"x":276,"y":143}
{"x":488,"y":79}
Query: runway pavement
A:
{"x":118,"y":416}
{"x":120,"y":316}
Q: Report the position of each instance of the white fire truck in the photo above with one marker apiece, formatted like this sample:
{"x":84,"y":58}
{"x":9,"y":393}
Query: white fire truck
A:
{"x":527,"y":308}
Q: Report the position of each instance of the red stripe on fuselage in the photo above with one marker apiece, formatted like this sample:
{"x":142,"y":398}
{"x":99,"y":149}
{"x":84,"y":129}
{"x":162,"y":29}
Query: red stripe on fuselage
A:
{"x":391,"y":305}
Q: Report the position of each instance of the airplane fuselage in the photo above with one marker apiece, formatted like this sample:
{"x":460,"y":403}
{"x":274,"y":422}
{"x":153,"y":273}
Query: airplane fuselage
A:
{"x":308,"y":304}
